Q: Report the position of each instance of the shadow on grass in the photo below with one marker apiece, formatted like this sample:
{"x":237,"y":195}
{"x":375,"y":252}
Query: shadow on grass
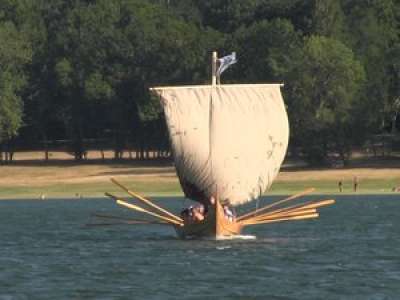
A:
{"x":164,"y":172}
{"x":114,"y":163}
{"x":288,"y":166}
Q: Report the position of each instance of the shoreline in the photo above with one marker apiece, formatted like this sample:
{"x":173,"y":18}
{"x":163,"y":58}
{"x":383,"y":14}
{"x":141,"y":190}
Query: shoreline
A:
{"x":179,"y":196}
{"x":26,"y":194}
{"x":74,"y":181}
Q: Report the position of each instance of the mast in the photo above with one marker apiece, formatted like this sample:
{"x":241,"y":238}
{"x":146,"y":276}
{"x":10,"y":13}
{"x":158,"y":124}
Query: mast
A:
{"x":213,"y":85}
{"x":214,"y":68}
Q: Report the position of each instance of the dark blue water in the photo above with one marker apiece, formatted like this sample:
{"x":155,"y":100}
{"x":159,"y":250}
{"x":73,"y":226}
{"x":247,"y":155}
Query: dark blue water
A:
{"x":351,"y":252}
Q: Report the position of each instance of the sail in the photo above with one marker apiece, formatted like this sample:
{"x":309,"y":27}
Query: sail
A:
{"x":228,"y":141}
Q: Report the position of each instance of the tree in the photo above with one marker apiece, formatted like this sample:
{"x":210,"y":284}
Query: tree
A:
{"x":373,"y":31}
{"x":167,"y":50}
{"x":323,"y":88}
{"x":328,"y":19}
{"x":265,"y":50}
{"x":15,"y":53}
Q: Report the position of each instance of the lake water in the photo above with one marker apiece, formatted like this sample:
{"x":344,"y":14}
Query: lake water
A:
{"x":351,"y":252}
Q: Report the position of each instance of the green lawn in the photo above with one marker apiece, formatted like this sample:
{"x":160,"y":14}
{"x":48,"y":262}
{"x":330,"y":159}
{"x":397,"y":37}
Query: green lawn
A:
{"x":367,"y":186}
{"x":376,"y":186}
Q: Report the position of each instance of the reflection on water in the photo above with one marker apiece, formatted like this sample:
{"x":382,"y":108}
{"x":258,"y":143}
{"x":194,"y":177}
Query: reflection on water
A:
{"x":351,"y":252}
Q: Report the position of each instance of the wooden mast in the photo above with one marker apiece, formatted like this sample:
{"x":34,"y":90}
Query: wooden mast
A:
{"x":213,"y":84}
{"x":214,"y":69}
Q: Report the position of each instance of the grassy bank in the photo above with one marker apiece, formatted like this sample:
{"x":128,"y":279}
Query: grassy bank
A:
{"x":68,"y":180}
{"x":90,"y":190}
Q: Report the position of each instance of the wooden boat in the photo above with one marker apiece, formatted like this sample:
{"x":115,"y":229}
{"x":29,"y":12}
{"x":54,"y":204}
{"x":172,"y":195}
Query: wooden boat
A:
{"x":228,"y":142}
{"x":215,"y":224}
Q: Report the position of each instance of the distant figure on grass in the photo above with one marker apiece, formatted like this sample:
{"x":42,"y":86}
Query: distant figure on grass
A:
{"x":340,"y":185}
{"x":396,"y":189}
{"x":355,"y":183}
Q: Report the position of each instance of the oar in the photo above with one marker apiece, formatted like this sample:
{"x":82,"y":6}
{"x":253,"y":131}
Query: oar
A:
{"x":140,"y":209}
{"x":319,"y":204}
{"x":280,"y":216}
{"x":297,"y":207}
{"x":147,"y":201}
{"x":283,"y":214}
{"x":126,"y":223}
{"x":115,"y":217}
{"x":311,"y":216}
{"x":252,"y":213}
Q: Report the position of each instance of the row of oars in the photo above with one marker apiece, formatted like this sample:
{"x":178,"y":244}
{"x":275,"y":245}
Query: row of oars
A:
{"x":163,"y":216}
{"x":271,"y":214}
{"x":268,"y":214}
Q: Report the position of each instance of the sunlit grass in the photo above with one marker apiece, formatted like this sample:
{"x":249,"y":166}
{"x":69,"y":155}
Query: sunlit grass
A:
{"x":156,"y":188}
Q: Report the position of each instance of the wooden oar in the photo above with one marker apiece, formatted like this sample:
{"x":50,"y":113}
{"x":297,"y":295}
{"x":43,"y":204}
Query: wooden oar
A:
{"x":311,"y":216}
{"x":253,"y":213}
{"x":147,"y":201}
{"x":297,"y":207}
{"x":319,"y":204}
{"x":282,"y":215}
{"x":115,"y":217}
{"x":127,"y":223}
{"x":140,"y":209}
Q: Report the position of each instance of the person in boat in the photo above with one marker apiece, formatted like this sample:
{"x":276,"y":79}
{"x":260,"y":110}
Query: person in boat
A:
{"x":193,"y":213}
{"x":229,"y":214}
{"x":201,"y":209}
{"x":185,"y":214}
{"x":212,"y":200}
{"x":198,"y":213}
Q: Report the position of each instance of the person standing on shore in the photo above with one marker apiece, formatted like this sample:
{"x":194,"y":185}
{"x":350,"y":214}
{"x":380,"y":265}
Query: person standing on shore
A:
{"x":340,"y":185}
{"x":355,"y":183}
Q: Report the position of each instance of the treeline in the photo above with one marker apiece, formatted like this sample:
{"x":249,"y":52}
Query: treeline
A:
{"x":80,"y":70}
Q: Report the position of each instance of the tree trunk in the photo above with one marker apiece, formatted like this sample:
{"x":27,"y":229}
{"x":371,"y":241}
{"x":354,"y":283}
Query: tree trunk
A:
{"x":46,"y":148}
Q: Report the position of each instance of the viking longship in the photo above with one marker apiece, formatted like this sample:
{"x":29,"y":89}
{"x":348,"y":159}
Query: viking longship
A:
{"x":228,"y":143}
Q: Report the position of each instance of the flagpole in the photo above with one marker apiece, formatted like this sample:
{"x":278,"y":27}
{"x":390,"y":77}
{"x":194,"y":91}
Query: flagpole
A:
{"x":214,"y":69}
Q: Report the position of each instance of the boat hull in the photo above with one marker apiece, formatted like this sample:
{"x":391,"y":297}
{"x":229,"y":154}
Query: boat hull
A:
{"x":215,"y":225}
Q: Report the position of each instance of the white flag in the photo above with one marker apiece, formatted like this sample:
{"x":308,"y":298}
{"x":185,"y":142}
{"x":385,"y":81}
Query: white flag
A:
{"x":225,"y":62}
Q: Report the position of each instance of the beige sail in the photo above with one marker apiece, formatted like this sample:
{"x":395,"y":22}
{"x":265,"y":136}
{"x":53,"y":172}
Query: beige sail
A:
{"x":227,"y":140}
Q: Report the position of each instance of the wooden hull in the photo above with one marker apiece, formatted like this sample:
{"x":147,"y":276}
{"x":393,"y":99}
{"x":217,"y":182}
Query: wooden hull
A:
{"x":215,"y":225}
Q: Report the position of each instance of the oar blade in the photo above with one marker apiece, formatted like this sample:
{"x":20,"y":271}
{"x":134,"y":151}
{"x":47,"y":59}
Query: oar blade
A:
{"x":293,"y":197}
{"x":294,"y":218}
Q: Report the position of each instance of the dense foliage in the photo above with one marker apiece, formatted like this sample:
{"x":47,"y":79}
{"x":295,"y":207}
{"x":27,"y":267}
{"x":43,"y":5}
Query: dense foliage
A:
{"x":79,"y":70}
